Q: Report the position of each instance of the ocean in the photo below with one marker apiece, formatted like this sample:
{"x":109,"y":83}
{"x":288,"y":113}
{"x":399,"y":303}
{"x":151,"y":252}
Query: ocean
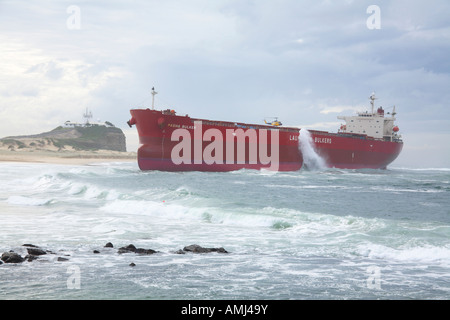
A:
{"x":327,"y":234}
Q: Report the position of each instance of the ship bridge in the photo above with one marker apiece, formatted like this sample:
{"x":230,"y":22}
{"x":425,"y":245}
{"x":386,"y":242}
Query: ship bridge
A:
{"x":373,"y":124}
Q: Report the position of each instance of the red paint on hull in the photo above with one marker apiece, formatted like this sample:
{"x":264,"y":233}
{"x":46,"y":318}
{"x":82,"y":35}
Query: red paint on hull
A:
{"x":341,"y":150}
{"x":156,"y":128}
{"x":348,"y":151}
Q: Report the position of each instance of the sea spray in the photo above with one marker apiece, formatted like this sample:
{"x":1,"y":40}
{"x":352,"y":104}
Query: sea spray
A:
{"x":297,"y":235}
{"x":311,"y":159}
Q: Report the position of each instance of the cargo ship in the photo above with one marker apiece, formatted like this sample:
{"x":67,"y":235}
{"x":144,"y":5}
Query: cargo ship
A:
{"x":367,"y":140}
{"x":172,"y":142}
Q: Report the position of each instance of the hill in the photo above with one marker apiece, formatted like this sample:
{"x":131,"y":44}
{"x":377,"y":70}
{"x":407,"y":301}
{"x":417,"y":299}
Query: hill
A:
{"x":75,"y":138}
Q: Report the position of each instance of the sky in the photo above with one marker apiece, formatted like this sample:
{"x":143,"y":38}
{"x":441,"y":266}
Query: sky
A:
{"x":305,"y":62}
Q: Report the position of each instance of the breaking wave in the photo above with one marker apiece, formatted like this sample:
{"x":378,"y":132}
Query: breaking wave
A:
{"x":28,"y":201}
{"x":305,"y":231}
{"x":311,"y":159}
{"x":425,"y":254}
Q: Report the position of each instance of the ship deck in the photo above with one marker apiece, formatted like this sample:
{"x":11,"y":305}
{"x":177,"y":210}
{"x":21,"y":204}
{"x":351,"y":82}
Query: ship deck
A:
{"x":352,"y":135}
{"x":245,"y":125}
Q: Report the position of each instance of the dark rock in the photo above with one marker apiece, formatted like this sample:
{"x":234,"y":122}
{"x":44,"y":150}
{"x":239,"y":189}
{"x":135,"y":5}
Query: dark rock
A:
{"x":96,"y":251}
{"x":129,"y":248}
{"x":30,"y":257}
{"x":145,"y":251}
{"x":132,"y":264}
{"x":12,"y":257}
{"x":36,"y":251}
{"x":132,"y":248}
{"x":29,"y":245}
{"x":220,"y":250}
{"x":62,"y":259}
{"x":109,"y":245}
{"x":180,"y":252}
{"x":195,"y":248}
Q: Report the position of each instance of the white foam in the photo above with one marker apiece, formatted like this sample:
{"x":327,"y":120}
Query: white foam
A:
{"x":27,"y":201}
{"x":210,"y":214}
{"x":421,"y":169}
{"x":389,"y":189}
{"x":76,"y":189}
{"x":426,"y":253}
{"x":311,"y":159}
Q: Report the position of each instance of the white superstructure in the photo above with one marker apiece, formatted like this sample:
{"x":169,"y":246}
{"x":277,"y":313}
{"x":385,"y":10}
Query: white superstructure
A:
{"x":373,"y":124}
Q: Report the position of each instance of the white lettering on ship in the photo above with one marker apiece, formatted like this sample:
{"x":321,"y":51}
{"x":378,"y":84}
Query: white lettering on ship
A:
{"x":174,"y":125}
{"x":322,"y":140}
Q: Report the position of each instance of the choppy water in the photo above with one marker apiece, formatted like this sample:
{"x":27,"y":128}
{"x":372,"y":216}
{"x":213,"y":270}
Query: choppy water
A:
{"x":325,"y":234}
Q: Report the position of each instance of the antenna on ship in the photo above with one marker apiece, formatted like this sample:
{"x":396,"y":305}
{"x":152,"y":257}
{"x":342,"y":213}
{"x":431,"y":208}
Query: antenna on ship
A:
{"x":153,"y":98}
{"x":372,"y":100}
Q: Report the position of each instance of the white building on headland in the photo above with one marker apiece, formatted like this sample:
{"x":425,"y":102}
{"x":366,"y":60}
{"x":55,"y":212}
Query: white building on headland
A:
{"x":87,"y":115}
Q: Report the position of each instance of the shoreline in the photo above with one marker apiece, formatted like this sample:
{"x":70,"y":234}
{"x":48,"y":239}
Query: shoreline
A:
{"x":69,"y":158}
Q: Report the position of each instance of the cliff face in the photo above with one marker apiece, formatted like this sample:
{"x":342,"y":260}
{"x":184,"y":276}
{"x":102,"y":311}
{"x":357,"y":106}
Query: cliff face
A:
{"x":86,"y":138}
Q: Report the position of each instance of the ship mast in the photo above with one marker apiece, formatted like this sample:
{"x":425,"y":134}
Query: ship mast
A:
{"x":372,"y":100}
{"x":153,"y":98}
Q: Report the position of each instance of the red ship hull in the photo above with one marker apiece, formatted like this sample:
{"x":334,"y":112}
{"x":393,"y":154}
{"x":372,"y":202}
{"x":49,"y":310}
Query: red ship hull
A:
{"x":354,"y":151}
{"x":212,"y":145}
{"x":160,"y":149}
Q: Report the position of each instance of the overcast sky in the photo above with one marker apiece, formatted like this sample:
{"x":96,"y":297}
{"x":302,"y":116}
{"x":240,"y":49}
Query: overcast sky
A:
{"x":305,"y":62}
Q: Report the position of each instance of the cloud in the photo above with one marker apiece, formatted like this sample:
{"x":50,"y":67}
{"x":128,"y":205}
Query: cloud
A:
{"x":328,"y":126}
{"x":41,"y":92}
{"x":338,"y":109}
{"x":50,"y":69}
{"x":303,"y":61}
{"x":425,"y":150}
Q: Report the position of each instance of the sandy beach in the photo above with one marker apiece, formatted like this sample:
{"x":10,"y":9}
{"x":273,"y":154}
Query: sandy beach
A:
{"x":66,"y":157}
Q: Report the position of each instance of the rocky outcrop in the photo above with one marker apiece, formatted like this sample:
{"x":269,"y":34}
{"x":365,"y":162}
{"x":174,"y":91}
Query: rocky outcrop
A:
{"x":132,"y":248}
{"x":79,"y":138}
{"x":34,"y":252}
{"x":195,"y":248}
{"x":109,"y":245}
{"x":12,"y":257}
